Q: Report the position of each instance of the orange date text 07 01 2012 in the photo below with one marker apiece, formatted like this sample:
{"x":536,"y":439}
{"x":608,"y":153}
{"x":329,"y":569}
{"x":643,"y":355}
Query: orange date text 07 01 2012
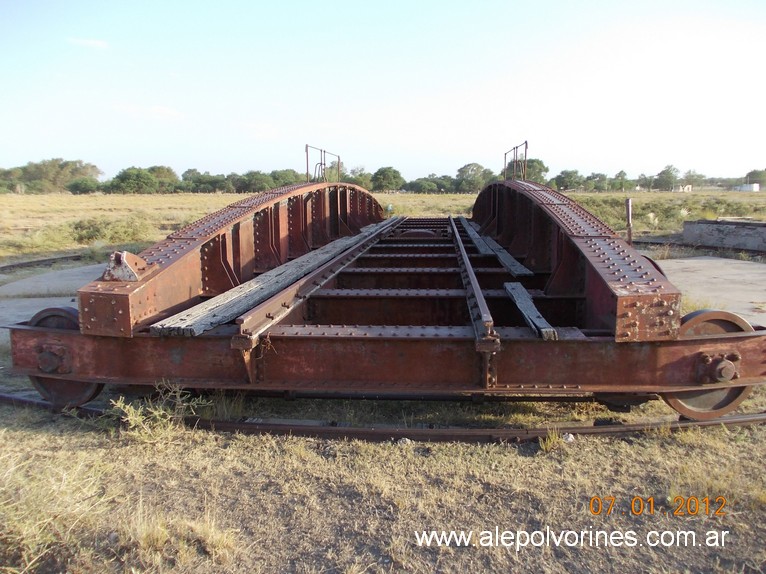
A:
{"x":640,"y":506}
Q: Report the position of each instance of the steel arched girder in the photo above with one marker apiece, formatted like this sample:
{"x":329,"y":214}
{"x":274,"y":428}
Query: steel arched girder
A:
{"x":578,"y":255}
{"x":220,"y":251}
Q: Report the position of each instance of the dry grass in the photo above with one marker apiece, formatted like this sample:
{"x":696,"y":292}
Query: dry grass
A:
{"x":423,"y":205}
{"x":39,"y":225}
{"x":691,"y":304}
{"x":665,"y":212}
{"x":77,"y":497}
{"x":153,"y":496}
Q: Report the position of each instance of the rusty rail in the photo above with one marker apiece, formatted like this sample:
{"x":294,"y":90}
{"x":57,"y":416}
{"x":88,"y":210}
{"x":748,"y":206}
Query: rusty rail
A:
{"x":423,"y":433}
{"x":307,"y":290}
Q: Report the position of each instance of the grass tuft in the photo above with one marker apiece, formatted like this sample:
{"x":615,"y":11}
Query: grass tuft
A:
{"x":552,"y":441}
{"x":691,"y":304}
{"x":155,"y":539}
{"x":224,"y":405}
{"x":159,"y":418}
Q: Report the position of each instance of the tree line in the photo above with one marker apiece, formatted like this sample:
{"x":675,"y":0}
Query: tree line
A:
{"x":78,"y":177}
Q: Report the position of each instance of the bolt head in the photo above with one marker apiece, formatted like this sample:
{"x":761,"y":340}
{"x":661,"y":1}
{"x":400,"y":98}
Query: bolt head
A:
{"x":48,"y":362}
{"x":725,"y":371}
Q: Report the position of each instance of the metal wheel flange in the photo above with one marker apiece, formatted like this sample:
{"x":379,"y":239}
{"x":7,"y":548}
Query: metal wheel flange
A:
{"x":709,"y":404}
{"x":59,"y":392}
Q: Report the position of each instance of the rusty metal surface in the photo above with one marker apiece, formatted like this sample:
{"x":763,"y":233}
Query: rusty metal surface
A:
{"x":420,"y":307}
{"x":427,"y":359}
{"x":252,"y":323}
{"x":487,"y":340}
{"x":625,"y":293}
{"x":221,"y":250}
{"x":383,"y":433}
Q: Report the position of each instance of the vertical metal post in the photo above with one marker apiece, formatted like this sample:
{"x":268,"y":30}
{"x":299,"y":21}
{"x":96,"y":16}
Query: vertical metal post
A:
{"x":323,"y":161}
{"x":629,"y":217}
{"x":515,"y":151}
{"x":321,"y":165}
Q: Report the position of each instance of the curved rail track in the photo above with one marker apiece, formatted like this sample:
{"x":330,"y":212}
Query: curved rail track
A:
{"x":309,"y":291}
{"x":423,"y":433}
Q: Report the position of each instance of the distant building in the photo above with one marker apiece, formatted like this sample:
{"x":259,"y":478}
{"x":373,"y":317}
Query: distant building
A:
{"x":685,"y":188}
{"x":748,"y":187}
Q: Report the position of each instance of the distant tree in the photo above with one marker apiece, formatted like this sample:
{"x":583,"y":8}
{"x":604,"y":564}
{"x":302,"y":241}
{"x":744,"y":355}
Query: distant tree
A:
{"x":331,"y":172}
{"x":195,"y":182}
{"x":250,"y":182}
{"x":83,"y":185}
{"x":723,"y":182}
{"x":258,"y":181}
{"x":387,"y":178}
{"x":360,"y":177}
{"x":444,"y":183}
{"x":235,"y":182}
{"x":619,"y":180}
{"x":569,"y":179}
{"x":432,"y":184}
{"x":190,"y":174}
{"x":667,"y":178}
{"x":472,"y":177}
{"x":283,"y":177}
{"x":47,"y":176}
{"x":693,"y":178}
{"x":52,"y":175}
{"x":596,"y":182}
{"x":11,"y":180}
{"x":232,"y":183}
{"x":167,"y":179}
{"x":646,"y":181}
{"x":536,"y":170}
{"x":163,"y":172}
{"x":422,"y":185}
{"x":133,"y":180}
{"x":756,"y":176}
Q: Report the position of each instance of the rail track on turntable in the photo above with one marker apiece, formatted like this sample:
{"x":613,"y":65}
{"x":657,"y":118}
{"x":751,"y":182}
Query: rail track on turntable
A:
{"x":309,"y":291}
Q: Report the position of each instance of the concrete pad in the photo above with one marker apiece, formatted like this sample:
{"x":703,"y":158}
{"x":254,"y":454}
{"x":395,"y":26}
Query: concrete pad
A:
{"x":726,"y":284}
{"x":20,"y":300}
{"x":54,"y":283}
{"x":17,"y":310}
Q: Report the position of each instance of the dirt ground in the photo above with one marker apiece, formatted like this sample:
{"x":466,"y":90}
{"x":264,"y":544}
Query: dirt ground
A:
{"x":84,"y":496}
{"x":87,"y":499}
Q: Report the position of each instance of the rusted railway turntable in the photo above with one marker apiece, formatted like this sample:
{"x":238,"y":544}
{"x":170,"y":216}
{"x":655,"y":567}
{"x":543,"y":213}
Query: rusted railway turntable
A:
{"x":309,"y":291}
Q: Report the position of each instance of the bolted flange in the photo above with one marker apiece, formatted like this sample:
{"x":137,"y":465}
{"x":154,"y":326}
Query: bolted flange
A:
{"x":718,"y":368}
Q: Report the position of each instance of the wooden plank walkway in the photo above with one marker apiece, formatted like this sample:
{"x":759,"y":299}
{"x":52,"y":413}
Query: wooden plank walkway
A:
{"x":240,"y":299}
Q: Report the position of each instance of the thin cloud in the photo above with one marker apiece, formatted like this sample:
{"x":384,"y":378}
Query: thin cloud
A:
{"x":89,"y":43}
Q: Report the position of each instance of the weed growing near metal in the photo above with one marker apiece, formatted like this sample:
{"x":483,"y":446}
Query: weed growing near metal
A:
{"x":231,"y":503}
{"x":551,"y":441}
{"x":158,"y":418}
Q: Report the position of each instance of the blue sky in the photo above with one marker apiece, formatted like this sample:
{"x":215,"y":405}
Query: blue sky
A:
{"x":423,"y":86}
